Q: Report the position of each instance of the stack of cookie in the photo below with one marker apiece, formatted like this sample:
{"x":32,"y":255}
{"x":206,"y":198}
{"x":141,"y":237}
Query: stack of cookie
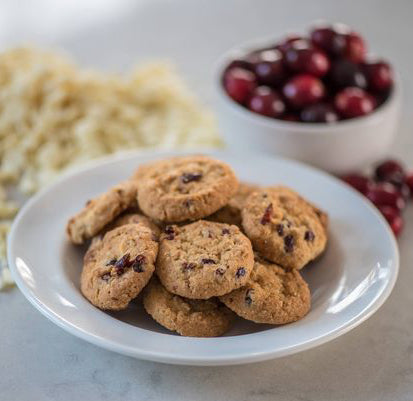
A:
{"x":216,"y":247}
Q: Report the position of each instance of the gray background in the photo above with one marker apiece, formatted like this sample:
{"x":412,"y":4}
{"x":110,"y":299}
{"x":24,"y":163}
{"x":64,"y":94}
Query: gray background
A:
{"x":39,"y":361}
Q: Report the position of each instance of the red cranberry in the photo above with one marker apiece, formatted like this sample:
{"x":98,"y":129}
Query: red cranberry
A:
{"x":330,"y":38}
{"x":355,"y":48}
{"x":345,"y":73}
{"x":268,"y":67}
{"x":397,"y":225}
{"x":239,"y":83}
{"x":353,"y":102}
{"x":319,"y":113}
{"x":284,"y":45}
{"x":386,"y":194}
{"x":409,"y":182}
{"x":301,"y":57}
{"x":303,"y":90}
{"x":358,"y":181}
{"x":267,"y":102}
{"x":379,"y":75}
{"x":239,"y":63}
{"x":388,"y":169}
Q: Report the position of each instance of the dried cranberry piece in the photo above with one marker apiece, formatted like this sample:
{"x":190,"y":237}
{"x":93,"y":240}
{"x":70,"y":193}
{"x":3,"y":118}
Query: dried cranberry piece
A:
{"x":188,"y":266}
{"x":208,"y":261}
{"x":309,"y":236}
{"x":248,"y":298}
{"x":105,"y":277}
{"x":138,"y":264}
{"x":289,"y":243}
{"x":220,"y":271}
{"x":280,"y":229}
{"x":188,"y":203}
{"x":266,"y":218}
{"x":225,"y":231}
{"x":240,"y":272}
{"x":122,"y":263}
{"x":112,"y":262}
{"x":189,"y":177}
{"x":169,"y":230}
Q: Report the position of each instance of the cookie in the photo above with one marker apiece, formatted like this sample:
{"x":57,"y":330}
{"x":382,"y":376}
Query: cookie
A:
{"x":188,"y":317}
{"x":185,"y":188}
{"x":117,"y":267}
{"x":231,"y":212}
{"x":204,"y":259}
{"x":272,"y":295}
{"x":100,"y":211}
{"x":283,"y":227}
{"x":133,"y":218}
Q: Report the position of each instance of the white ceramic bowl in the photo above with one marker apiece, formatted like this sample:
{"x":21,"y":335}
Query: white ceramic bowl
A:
{"x":340,"y":147}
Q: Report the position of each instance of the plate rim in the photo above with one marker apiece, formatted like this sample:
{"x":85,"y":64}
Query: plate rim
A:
{"x":163,"y":357}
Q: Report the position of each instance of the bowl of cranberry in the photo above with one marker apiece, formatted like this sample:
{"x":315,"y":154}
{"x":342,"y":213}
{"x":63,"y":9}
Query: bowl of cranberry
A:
{"x":319,"y":99}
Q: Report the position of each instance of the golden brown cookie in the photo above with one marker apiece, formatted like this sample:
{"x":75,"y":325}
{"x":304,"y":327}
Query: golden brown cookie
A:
{"x":185,"y":188}
{"x":283,"y":228}
{"x":204,"y":259}
{"x":272,"y":295}
{"x":188,"y":317}
{"x":117,"y":267}
{"x":231,"y":212}
{"x":101,"y":211}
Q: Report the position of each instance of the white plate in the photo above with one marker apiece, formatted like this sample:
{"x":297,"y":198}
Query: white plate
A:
{"x":348,"y":284}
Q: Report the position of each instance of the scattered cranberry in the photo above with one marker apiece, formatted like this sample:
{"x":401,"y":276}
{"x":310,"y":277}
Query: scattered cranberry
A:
{"x":319,"y":113}
{"x":379,"y":75}
{"x":358,"y":181}
{"x":330,"y":38}
{"x":268,"y":67}
{"x":386,"y":194}
{"x":391,"y":171}
{"x":301,"y":57}
{"x":355,"y":48}
{"x":353,"y":102}
{"x":346,"y":73}
{"x":409,"y":182}
{"x":267,"y":102}
{"x":397,"y":225}
{"x":239,"y":83}
{"x":303,"y":90}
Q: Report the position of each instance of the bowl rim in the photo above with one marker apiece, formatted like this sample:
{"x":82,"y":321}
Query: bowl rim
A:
{"x":292,"y":126}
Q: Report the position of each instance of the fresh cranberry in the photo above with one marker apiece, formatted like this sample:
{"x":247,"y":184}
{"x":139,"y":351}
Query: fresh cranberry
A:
{"x":409,"y":182}
{"x":358,"y":181}
{"x":319,"y":113}
{"x":330,"y":38}
{"x":389,"y":212}
{"x":354,"y":102}
{"x":291,"y":117}
{"x":301,"y":57}
{"x":268,"y":67}
{"x":345,"y":73}
{"x":379,"y":75}
{"x":284,"y":45}
{"x":239,"y":83}
{"x":267,"y":102}
{"x":386,"y":194}
{"x":397,"y":225}
{"x":239,"y":63}
{"x":389,"y":169}
{"x":303,"y":90}
{"x":355,"y":48}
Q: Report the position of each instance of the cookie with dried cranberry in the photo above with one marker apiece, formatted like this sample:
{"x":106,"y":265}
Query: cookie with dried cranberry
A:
{"x":185,"y":188}
{"x":283,"y":227}
{"x":100,"y":211}
{"x":188,"y":317}
{"x":231,"y":212}
{"x":204,"y":259}
{"x":117,"y":267}
{"x":272,"y":295}
{"x":133,"y":218}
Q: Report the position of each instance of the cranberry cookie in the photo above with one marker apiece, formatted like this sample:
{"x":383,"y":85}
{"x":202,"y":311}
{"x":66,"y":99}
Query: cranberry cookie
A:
{"x":231,"y":212}
{"x":117,"y":267}
{"x":185,"y":188}
{"x":272,"y":295}
{"x":100,"y":211}
{"x":283,"y":227}
{"x":204,"y":259}
{"x":188,"y":317}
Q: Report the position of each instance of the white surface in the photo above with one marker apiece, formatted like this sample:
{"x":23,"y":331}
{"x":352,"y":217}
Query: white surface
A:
{"x":345,"y":146}
{"x":348,"y":284}
{"x":374,"y":362}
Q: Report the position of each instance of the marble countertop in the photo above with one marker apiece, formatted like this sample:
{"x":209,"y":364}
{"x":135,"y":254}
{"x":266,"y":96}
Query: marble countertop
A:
{"x":40,"y":361}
